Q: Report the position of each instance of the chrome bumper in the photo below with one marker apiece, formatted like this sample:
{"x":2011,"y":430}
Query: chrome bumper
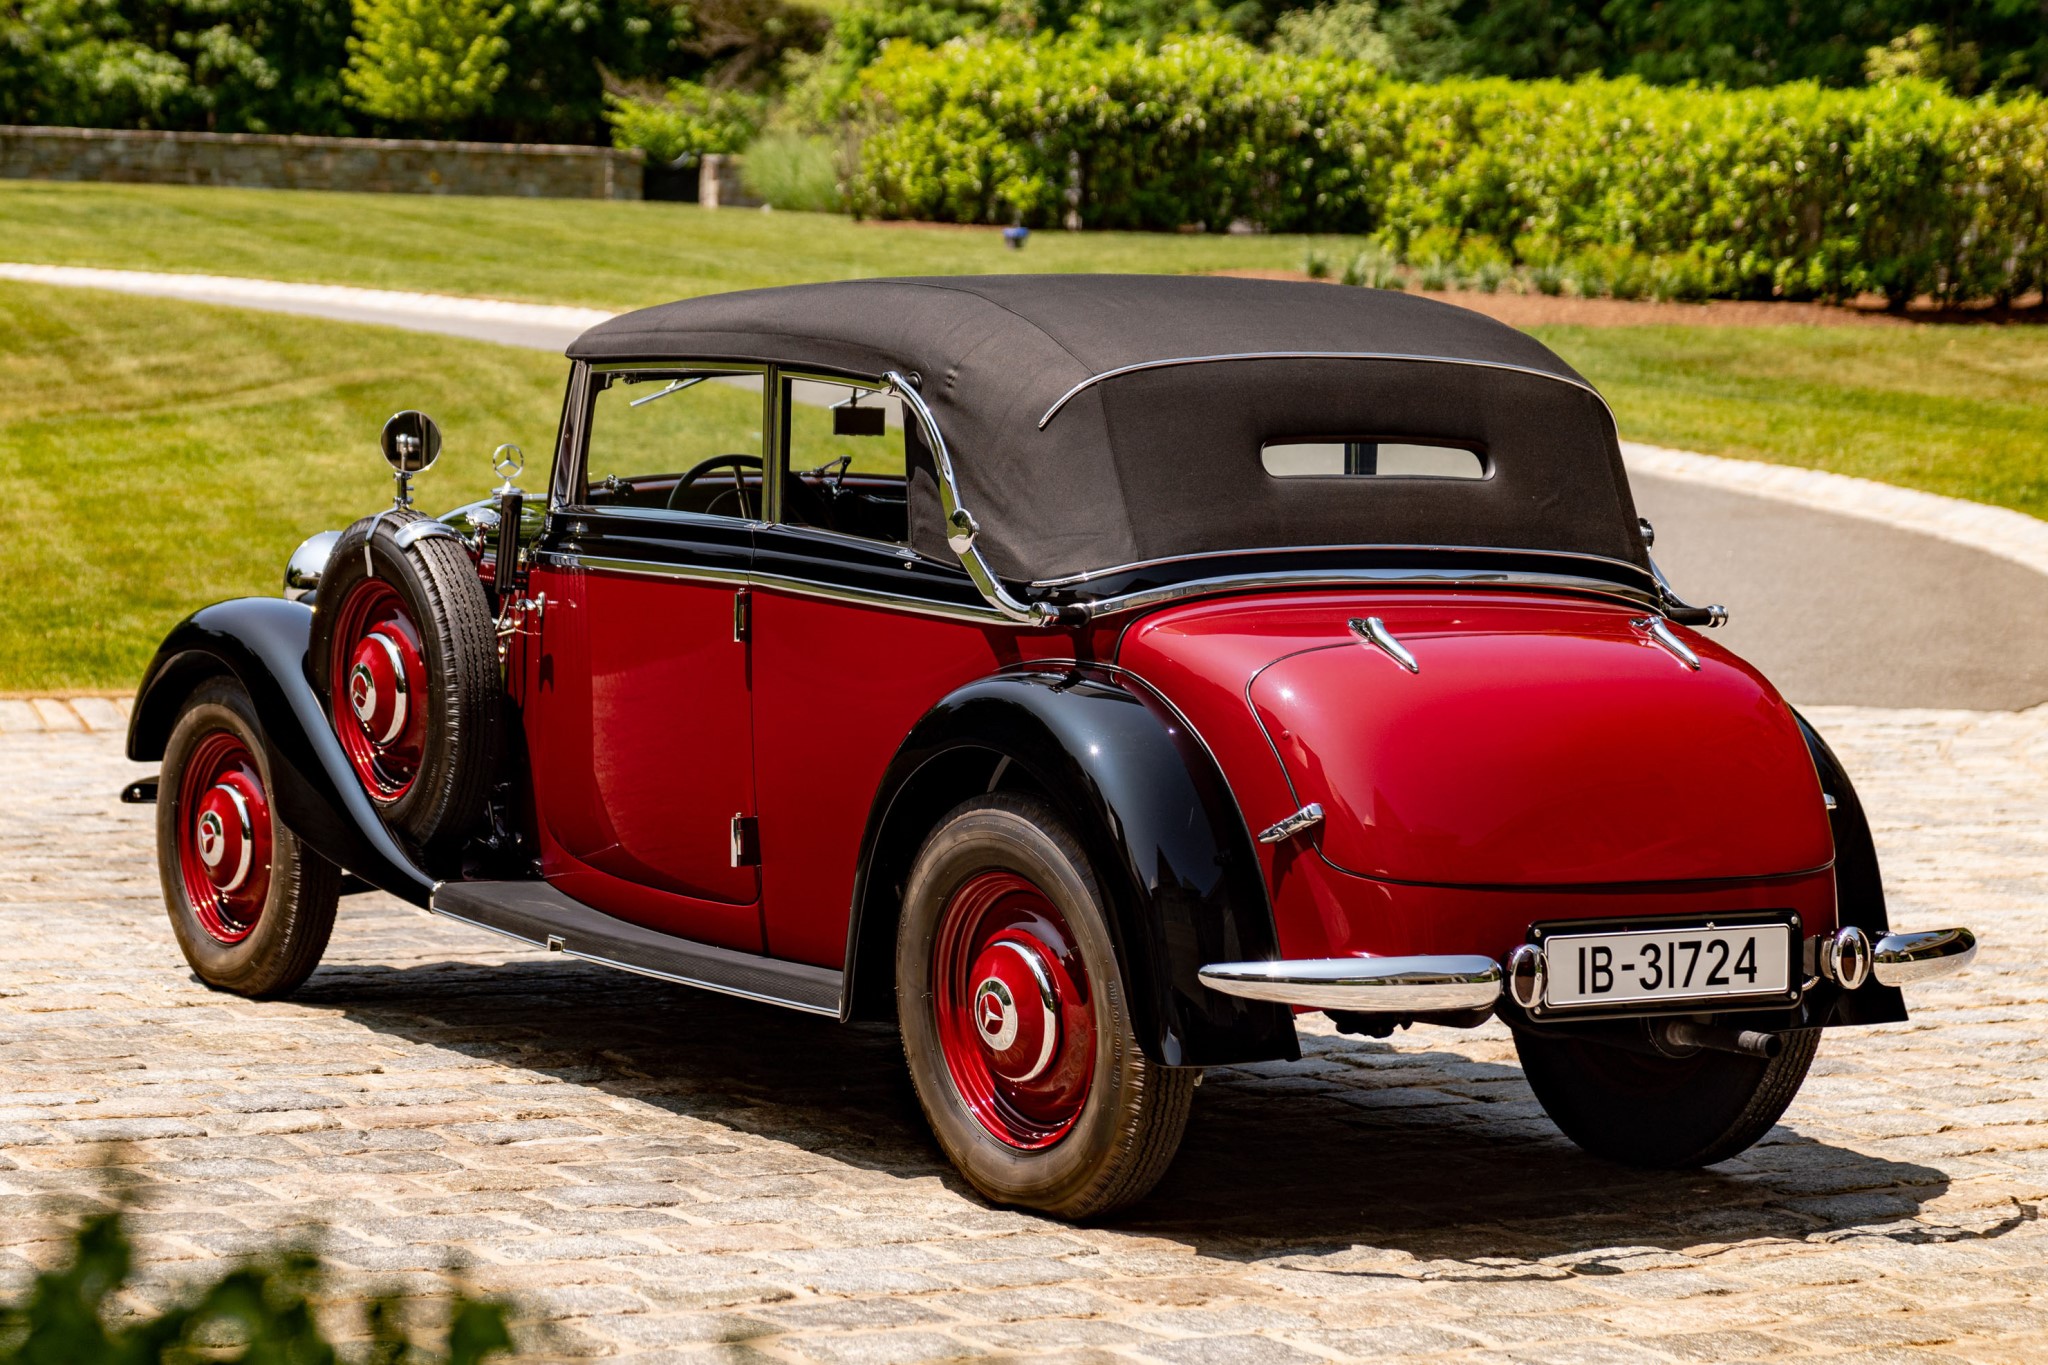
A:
{"x":1371,"y":985}
{"x":1434,"y":985}
{"x":1904,"y":959}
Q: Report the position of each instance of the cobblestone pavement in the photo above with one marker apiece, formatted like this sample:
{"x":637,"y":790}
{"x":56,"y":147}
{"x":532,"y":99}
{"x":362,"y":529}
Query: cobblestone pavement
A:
{"x":659,"y":1174}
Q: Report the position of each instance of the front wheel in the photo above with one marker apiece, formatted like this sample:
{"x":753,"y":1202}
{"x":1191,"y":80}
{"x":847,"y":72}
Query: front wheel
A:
{"x":1014,"y":1020}
{"x":251,"y":906}
{"x":1642,"y":1108}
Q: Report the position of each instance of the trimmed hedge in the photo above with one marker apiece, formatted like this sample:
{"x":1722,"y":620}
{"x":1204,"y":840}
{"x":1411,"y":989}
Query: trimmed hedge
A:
{"x":1791,"y":191}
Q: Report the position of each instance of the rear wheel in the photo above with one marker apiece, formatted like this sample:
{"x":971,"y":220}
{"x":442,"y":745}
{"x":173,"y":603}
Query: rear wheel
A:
{"x":1014,"y":1021}
{"x":1663,"y":1112}
{"x":252,"y":907}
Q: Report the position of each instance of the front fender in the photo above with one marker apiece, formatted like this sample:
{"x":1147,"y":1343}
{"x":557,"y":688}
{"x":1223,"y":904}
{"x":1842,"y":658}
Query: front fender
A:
{"x":1158,"y":823}
{"x":262,"y":642}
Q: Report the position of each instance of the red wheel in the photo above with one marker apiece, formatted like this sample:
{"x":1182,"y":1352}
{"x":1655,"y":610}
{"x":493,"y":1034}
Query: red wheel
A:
{"x":1015,"y":1018}
{"x":1015,"y":1027}
{"x":252,"y":907}
{"x":224,"y":837}
{"x":380,"y":692}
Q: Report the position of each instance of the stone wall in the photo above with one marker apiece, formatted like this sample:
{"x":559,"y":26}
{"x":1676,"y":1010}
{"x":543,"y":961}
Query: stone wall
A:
{"x":266,"y":161}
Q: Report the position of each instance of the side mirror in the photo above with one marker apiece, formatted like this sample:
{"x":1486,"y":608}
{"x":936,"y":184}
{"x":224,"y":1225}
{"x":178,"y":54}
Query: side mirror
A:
{"x":411,"y":443}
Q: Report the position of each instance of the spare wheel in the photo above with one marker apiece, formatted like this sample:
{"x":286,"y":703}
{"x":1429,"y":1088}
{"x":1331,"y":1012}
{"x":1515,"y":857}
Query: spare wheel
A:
{"x":405,"y":654}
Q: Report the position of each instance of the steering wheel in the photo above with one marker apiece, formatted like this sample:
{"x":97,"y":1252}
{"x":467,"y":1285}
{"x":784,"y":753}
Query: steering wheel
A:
{"x":733,"y":462}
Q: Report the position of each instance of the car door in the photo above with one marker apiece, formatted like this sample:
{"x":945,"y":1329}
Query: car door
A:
{"x":640,"y":710}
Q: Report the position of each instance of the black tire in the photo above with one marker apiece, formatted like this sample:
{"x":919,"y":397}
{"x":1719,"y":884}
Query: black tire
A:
{"x":297,"y":913}
{"x":1130,"y":1123}
{"x":463,"y":736}
{"x":1660,"y":1112}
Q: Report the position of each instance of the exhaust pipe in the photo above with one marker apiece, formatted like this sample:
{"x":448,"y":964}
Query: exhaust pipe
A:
{"x":1683,"y":1033}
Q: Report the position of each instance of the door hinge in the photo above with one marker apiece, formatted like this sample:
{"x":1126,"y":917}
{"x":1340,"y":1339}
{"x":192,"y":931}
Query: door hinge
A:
{"x":742,"y":616}
{"x":746,"y":841}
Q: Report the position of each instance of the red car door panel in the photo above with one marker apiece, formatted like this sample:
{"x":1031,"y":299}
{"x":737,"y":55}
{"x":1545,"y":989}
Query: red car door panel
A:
{"x":838,"y":687}
{"x":640,"y":722}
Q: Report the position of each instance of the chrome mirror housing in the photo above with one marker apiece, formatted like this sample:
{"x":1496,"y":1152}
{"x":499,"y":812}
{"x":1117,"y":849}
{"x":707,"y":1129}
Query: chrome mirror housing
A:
{"x":411,"y":443}
{"x":302,"y":571}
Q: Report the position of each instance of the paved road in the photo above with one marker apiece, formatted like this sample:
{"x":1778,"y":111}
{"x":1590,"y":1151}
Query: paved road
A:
{"x":1834,"y":609}
{"x":1842,"y":610}
{"x":664,"y":1175}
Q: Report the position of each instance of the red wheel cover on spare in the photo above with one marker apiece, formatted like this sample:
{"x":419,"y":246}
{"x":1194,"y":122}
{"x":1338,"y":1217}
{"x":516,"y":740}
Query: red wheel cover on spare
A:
{"x":1016,"y":1018}
{"x":377,"y":677}
{"x":224,"y":836}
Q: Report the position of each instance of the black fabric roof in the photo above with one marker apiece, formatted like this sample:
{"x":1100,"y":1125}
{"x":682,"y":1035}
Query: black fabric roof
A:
{"x":1165,"y":462}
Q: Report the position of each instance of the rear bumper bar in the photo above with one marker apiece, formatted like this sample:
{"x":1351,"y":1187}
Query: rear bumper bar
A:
{"x":1371,"y":985}
{"x":1904,"y":959}
{"x":1433,"y":985}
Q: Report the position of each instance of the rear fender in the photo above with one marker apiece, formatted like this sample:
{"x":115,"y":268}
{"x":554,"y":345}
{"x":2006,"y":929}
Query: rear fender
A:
{"x":1156,"y":819}
{"x":262,"y":643}
{"x":1859,"y":889}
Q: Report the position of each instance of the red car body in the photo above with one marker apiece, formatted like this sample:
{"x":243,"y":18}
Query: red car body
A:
{"x":1302,"y":644}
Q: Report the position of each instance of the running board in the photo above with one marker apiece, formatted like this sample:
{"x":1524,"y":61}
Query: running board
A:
{"x":534,"y":912}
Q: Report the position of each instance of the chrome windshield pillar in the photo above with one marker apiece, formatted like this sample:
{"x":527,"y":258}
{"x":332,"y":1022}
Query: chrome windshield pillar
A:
{"x":961,"y":527}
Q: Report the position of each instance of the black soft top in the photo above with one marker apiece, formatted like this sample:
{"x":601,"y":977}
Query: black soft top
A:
{"x":1143,"y":460}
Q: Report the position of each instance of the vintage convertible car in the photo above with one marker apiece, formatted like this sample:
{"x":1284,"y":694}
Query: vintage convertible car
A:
{"x":1088,"y":674}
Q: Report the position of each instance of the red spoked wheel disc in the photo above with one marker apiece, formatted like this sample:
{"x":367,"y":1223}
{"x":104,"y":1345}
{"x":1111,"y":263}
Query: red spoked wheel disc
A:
{"x":1016,"y":1018}
{"x":224,"y":836}
{"x":378,"y":676}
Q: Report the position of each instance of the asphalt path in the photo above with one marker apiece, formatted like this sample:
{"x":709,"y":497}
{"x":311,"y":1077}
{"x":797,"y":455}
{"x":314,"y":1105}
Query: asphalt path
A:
{"x":1841,"y":610}
{"x":1836,"y":610}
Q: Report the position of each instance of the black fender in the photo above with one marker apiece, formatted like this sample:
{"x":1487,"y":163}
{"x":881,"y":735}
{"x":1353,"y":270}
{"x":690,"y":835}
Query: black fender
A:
{"x":1158,"y":822}
{"x":262,"y":642}
{"x":1859,"y":888}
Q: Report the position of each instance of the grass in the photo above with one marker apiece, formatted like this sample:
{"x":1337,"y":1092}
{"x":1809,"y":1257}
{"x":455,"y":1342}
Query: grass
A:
{"x":598,"y":254}
{"x":1956,"y":410}
{"x":158,"y":455}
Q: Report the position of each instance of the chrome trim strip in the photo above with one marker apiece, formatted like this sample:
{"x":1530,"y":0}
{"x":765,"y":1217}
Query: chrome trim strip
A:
{"x":1373,"y":631}
{"x":553,"y":943}
{"x":696,"y":573}
{"x":1121,"y":370}
{"x":961,"y":527}
{"x":1280,"y":831}
{"x":433,"y":909}
{"x":1905,"y":959}
{"x":830,"y":1012}
{"x":803,"y":587}
{"x":1145,"y":599}
{"x":1076,"y":580}
{"x":1376,"y":985}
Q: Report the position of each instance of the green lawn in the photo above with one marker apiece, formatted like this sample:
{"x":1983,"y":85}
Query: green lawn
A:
{"x":157,"y":455}
{"x":596,"y":253}
{"x":1950,"y":409}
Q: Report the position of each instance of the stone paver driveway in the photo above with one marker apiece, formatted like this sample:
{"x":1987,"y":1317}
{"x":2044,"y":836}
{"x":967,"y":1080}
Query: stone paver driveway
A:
{"x":661,"y":1174}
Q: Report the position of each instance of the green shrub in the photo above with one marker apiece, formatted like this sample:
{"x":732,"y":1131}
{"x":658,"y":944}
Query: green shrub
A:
{"x":790,"y":171}
{"x":1793,"y":190}
{"x":1315,"y":264}
{"x":262,"y":1312}
{"x":686,"y":122}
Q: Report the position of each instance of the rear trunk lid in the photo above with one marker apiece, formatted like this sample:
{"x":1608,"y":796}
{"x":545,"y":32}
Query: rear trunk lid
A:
{"x":1539,"y":742}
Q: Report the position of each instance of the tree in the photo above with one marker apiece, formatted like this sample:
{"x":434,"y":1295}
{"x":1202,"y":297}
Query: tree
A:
{"x":432,"y":62}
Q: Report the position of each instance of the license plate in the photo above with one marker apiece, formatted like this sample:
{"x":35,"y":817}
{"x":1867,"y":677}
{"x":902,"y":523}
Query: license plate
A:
{"x":1655,"y":966}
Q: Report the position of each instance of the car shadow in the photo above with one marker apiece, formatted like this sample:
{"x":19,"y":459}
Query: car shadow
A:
{"x":1362,"y":1146}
